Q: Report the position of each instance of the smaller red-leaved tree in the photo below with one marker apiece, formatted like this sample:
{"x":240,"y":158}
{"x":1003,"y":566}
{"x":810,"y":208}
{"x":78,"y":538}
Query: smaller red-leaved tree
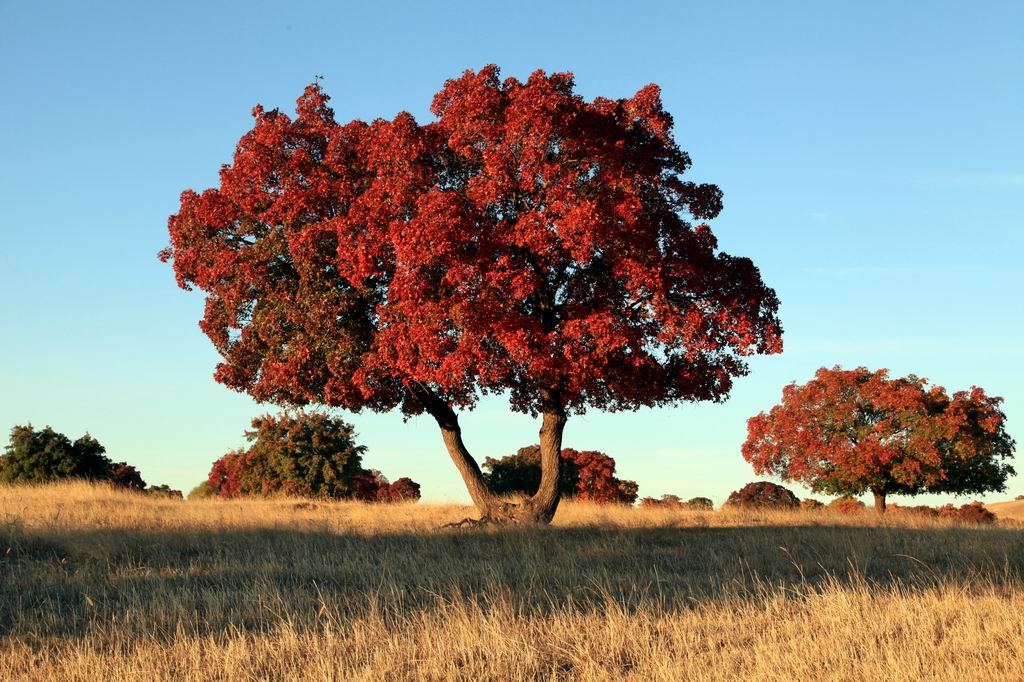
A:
{"x":762,"y":495}
{"x":586,"y":475}
{"x":225,"y":478}
{"x":372,"y":486}
{"x":850,"y":431}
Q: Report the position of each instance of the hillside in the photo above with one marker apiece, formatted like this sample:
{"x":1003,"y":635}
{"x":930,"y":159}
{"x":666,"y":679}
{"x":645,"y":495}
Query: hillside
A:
{"x":1013,"y":509}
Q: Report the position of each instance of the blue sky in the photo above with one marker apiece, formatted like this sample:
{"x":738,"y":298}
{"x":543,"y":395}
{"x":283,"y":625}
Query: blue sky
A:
{"x":871,"y":155}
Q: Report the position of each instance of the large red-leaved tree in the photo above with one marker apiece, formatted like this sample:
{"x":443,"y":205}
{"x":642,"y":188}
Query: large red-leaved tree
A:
{"x":526,"y":242}
{"x":847,"y":432}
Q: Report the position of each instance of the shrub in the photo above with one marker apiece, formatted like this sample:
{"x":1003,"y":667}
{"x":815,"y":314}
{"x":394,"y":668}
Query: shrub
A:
{"x":202,"y":491}
{"x":124,"y":475}
{"x":588,"y":476}
{"x":672,"y":501}
{"x":304,"y":454}
{"x":811,"y":504}
{"x":373,"y":486}
{"x":403,"y":490}
{"x":921,"y":510}
{"x":700,"y":504}
{"x":1019,"y":497}
{"x":763,"y":495}
{"x":164,"y":491}
{"x":307,"y":454}
{"x":975,"y":513}
{"x":847,"y":504}
{"x":628,"y":492}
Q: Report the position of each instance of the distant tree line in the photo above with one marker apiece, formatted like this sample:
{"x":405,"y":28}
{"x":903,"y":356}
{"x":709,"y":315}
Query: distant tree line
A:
{"x":844,"y":433}
{"x":676,"y":502}
{"x":45,"y":455}
{"x":765,"y":496}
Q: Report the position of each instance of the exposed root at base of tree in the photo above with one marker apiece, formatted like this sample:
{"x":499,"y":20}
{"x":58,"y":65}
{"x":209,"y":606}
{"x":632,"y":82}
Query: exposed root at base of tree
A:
{"x":470,"y":523}
{"x":503,"y":515}
{"x":497,"y":520}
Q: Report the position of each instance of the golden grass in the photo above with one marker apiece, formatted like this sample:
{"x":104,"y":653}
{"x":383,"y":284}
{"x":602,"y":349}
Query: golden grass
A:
{"x":1014,"y":509}
{"x":103,"y":585}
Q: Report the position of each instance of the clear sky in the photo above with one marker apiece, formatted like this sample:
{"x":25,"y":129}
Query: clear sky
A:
{"x":871,"y":155}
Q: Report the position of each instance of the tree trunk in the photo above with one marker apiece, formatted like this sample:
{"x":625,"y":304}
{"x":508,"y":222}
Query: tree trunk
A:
{"x":540,"y":508}
{"x":491,"y":508}
{"x":879,"y":501}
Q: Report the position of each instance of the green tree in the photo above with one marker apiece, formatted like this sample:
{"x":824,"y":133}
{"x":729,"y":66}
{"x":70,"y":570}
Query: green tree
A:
{"x":203,"y":491}
{"x":309,"y":454}
{"x":45,"y":455}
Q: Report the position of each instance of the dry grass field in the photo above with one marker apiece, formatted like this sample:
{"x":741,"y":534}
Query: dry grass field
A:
{"x":102,"y":585}
{"x":1013,"y":509}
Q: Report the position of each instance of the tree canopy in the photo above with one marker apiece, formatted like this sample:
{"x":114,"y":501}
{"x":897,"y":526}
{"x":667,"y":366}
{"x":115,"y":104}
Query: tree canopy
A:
{"x":850,"y":431}
{"x":39,"y":456}
{"x":525,"y":241}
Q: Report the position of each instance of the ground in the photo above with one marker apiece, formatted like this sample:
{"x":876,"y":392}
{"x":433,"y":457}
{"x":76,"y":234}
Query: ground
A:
{"x":97,"y":584}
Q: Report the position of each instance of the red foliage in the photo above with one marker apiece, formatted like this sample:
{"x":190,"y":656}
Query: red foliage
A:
{"x":850,"y":431}
{"x":372,"y":486}
{"x":974,"y":513}
{"x":763,"y":495}
{"x":527,"y":240}
{"x":847,"y":504}
{"x":597,"y":481}
{"x":404,"y":490}
{"x":226,"y":474}
{"x":627,"y":492}
{"x":587,"y":476}
{"x":369,"y":484}
{"x":124,"y":475}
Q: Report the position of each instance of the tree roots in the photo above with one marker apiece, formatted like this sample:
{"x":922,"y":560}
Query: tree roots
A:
{"x":508,"y":515}
{"x":470,"y":523}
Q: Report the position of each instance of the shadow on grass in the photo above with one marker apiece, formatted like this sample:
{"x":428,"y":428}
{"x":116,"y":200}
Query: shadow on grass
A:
{"x":65,"y":583}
